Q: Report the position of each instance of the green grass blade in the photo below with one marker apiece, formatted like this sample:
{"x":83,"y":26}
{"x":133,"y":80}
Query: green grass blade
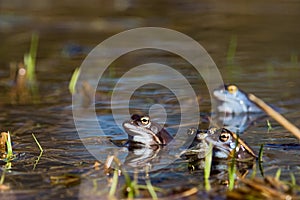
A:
{"x":278,"y":173}
{"x":2,"y":178}
{"x":207,"y":168}
{"x":37,"y":142}
{"x":131,"y":186}
{"x":232,"y":167}
{"x":151,"y":190}
{"x":293,"y":180}
{"x":260,"y":161}
{"x":231,"y":175}
{"x":41,"y":151}
{"x":260,"y":154}
{"x":73,"y":81}
{"x":30,"y":59}
{"x":9,"y":147}
{"x":114,"y":184}
{"x":269,"y":126}
{"x":253,"y":172}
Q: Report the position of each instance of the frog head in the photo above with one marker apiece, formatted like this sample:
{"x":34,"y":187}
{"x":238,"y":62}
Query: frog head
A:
{"x":141,"y":130}
{"x":227,"y":145}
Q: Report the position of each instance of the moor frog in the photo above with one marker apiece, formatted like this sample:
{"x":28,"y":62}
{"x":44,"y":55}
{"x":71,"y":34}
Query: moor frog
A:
{"x":226,"y":144}
{"x":144,"y":132}
{"x":234,"y":100}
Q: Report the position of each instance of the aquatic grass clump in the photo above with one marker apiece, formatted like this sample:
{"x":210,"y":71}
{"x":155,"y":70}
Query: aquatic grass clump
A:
{"x":131,"y":188}
{"x":265,"y":188}
{"x":6,"y":149}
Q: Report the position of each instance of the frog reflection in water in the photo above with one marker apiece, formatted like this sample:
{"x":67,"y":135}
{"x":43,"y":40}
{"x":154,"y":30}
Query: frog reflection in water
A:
{"x":234,"y":100}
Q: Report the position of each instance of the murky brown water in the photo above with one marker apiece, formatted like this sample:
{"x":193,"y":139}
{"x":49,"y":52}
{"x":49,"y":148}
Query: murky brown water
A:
{"x":265,"y":63}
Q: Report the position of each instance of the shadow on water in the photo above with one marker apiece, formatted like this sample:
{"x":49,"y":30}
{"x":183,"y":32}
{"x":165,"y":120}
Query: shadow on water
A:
{"x":261,"y":42}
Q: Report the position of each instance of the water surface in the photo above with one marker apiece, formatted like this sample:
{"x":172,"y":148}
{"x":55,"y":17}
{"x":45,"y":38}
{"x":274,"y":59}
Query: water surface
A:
{"x":265,"y":63}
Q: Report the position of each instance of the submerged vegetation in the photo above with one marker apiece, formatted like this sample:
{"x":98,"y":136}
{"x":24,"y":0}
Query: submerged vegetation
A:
{"x":131,"y":187}
{"x":23,"y":74}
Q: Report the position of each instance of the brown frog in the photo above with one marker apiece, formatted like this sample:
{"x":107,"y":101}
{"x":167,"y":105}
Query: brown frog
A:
{"x":142,"y":131}
{"x":226,"y":144}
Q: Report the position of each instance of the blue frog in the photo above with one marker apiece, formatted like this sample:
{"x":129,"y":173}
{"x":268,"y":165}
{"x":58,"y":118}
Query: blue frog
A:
{"x":234,"y":101}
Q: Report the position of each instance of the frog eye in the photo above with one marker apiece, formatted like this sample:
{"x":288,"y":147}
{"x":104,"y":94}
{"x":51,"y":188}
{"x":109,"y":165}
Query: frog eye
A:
{"x":224,"y":137}
{"x":145,"y":120}
{"x":232,"y":89}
